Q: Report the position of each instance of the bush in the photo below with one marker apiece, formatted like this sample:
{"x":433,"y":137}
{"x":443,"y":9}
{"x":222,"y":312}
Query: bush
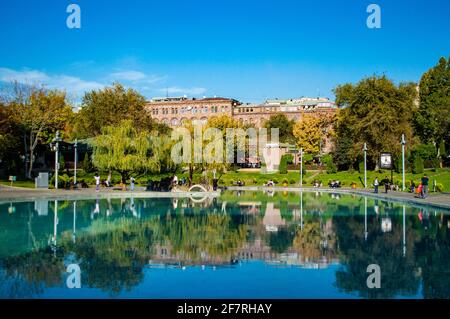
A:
{"x":361,"y":167}
{"x":285,"y":160}
{"x":292,"y":181}
{"x":328,"y":161}
{"x":439,"y":187}
{"x":418,"y":165}
{"x":331,"y":168}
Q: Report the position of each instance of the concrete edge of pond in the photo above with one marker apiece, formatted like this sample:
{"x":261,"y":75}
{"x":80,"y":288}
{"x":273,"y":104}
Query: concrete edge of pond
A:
{"x":17,"y":194}
{"x":437,"y":201}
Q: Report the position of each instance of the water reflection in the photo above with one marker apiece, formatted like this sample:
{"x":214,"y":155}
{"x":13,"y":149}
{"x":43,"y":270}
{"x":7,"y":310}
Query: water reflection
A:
{"x":115,"y":241}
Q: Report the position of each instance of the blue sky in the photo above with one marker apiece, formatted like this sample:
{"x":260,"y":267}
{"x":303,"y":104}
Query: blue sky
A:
{"x":249,"y":50}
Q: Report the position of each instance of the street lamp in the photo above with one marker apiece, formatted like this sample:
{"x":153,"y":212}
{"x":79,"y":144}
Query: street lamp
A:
{"x":56,"y":140}
{"x":75,"y":145}
{"x":365,"y":165}
{"x":301,"y":167}
{"x":403,"y":161}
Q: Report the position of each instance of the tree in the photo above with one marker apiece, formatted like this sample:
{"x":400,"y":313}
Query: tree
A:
{"x":110,"y":106}
{"x":432,"y":118}
{"x":312,"y":129}
{"x":374,"y":111}
{"x":126,"y":150}
{"x":285,"y":126}
{"x":39,"y":113}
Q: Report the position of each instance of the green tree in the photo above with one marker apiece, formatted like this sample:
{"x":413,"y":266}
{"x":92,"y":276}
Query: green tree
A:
{"x":110,"y":106}
{"x":375,"y":111}
{"x":432,"y":118}
{"x":285,"y":126}
{"x":126,"y":150}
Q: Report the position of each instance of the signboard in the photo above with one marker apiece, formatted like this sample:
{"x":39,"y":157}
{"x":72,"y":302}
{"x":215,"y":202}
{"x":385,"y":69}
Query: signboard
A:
{"x":12,"y":178}
{"x":386,"y":160}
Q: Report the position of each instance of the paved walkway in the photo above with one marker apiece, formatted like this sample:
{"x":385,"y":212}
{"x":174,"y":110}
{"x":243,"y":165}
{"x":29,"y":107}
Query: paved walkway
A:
{"x":16,"y":194}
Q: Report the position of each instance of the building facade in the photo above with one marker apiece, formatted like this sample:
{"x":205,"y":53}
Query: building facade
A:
{"x":173,"y":111}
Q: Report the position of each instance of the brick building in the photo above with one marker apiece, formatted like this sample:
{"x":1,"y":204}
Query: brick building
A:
{"x":174,"y":110}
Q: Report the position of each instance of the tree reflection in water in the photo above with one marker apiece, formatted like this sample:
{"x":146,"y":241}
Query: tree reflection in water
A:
{"x":115,"y":246}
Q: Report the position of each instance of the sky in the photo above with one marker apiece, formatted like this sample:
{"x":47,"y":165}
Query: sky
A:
{"x":248,"y":50}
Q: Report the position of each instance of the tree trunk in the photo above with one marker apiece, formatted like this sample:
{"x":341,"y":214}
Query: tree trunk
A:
{"x":191,"y":174}
{"x":25,"y":152}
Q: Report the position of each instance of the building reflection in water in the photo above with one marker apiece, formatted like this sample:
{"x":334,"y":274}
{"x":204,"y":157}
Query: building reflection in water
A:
{"x":128,"y":235}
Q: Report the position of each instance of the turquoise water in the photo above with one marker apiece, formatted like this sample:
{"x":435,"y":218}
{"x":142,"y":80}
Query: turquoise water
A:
{"x":240,"y":245}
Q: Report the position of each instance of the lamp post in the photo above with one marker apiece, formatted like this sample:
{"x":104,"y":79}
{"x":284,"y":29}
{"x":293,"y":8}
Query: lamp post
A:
{"x":56,"y":140}
{"x":301,"y":167}
{"x":403,"y":161}
{"x":75,"y":145}
{"x":365,"y":165}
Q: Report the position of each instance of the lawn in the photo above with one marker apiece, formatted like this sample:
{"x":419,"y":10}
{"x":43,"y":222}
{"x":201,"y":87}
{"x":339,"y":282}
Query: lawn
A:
{"x":292,"y":178}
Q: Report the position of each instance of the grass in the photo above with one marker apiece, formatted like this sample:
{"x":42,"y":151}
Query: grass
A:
{"x":26,"y":184}
{"x":292,"y":178}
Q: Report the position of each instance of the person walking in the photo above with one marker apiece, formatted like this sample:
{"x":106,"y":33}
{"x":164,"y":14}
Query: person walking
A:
{"x":376,"y":184}
{"x":425,"y":181}
{"x":385,"y":181}
{"x":97,"y":182}
{"x":132,"y":183}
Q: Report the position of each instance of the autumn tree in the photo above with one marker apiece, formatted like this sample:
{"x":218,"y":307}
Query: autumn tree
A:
{"x":312,"y":130}
{"x":38,"y":113}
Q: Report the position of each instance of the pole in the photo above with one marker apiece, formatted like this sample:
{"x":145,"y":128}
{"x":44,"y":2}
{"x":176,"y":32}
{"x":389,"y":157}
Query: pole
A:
{"x":301,"y":167}
{"x":403,"y":161}
{"x":365,"y":218}
{"x":365,"y":165}
{"x":75,"y":163}
{"x":56,"y":159}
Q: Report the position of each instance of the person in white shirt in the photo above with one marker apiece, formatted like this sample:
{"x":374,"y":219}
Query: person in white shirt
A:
{"x":97,"y":182}
{"x":376,"y":184}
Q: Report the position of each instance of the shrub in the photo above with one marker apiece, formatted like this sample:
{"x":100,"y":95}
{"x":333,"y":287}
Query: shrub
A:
{"x":361,"y":167}
{"x":418,"y":165}
{"x":439,"y":187}
{"x":328,"y":161}
{"x":331,"y":168}
{"x":292,"y":181}
{"x":285,"y":160}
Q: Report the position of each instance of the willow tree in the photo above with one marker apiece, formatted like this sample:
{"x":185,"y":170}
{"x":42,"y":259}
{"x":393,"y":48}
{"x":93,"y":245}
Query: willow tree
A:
{"x":126,"y":150}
